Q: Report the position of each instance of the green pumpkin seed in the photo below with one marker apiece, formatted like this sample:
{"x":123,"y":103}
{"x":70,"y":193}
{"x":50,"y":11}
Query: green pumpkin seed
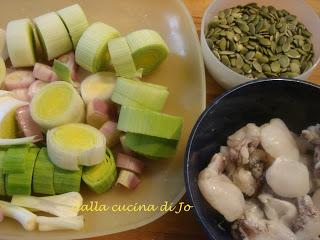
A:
{"x":286,"y":47}
{"x":225,"y":60}
{"x":276,"y":67}
{"x":292,"y":53}
{"x":257,"y":66}
{"x":284,"y":61}
{"x":295,"y":67}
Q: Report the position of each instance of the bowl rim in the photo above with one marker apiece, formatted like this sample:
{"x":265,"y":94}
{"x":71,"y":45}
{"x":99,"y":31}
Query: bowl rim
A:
{"x":211,"y":105}
{"x":205,"y":47}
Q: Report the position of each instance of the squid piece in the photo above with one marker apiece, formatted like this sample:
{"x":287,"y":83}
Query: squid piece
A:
{"x":288,"y":178}
{"x":277,"y":140}
{"x":243,"y":142}
{"x":307,"y":224}
{"x":278,"y":210}
{"x":244,"y":180}
{"x":219,"y":190}
{"x":312,"y":134}
{"x":254,"y":226}
{"x":316,"y":199}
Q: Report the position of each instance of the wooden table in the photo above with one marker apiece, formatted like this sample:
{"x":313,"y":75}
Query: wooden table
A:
{"x":183,"y":226}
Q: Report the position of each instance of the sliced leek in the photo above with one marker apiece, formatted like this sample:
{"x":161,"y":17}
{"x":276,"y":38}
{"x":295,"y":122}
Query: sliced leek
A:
{"x":75,"y":20}
{"x":43,"y":174}
{"x":121,"y":58}
{"x":148,"y":49}
{"x":3,"y":45}
{"x":57,"y":103}
{"x":20,"y":43}
{"x":75,"y":144}
{"x":2,"y":175}
{"x":3,"y":71}
{"x":14,"y":160}
{"x":53,"y":35}
{"x":62,"y":71}
{"x":101,"y":177}
{"x":151,"y":146}
{"x":8,"y":106}
{"x":21,"y":183}
{"x":150,"y":123}
{"x":99,"y":85}
{"x":92,"y":49}
{"x":17,"y":141}
{"x":65,"y":181}
{"x":139,"y":94}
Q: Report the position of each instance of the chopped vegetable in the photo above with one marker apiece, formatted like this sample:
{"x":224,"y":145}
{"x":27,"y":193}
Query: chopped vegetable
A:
{"x":2,"y":175}
{"x":149,"y":123}
{"x":121,"y":58}
{"x":134,"y":93}
{"x":26,"y":218}
{"x":125,"y":148}
{"x":99,"y":85}
{"x":35,"y":87}
{"x":75,"y":20}
{"x":8,"y":106}
{"x":43,"y":174}
{"x":18,"y":79}
{"x":101,"y":177}
{"x":63,"y":205}
{"x":21,"y":94}
{"x":129,"y":163}
{"x":97,"y":112}
{"x":60,"y":223}
{"x":128,"y":179}
{"x":150,"y":146}
{"x":69,"y":60}
{"x":110,"y":131}
{"x":15,"y":160}
{"x":27,"y":125}
{"x":62,"y":71}
{"x":20,"y":183}
{"x":148,"y":49}
{"x":17,"y":141}
{"x":3,"y":71}
{"x":75,"y":144}
{"x":20,"y":43}
{"x":3,"y":45}
{"x":92,"y":49}
{"x":66,"y":181}
{"x":44,"y":73}
{"x":57,"y":103}
{"x":53,"y":35}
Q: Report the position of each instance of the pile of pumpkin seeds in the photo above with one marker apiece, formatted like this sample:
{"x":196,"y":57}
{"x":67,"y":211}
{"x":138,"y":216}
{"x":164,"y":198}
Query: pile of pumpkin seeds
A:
{"x":260,"y":42}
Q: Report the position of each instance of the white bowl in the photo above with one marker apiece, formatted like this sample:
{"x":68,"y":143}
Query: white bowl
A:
{"x":228,"y":78}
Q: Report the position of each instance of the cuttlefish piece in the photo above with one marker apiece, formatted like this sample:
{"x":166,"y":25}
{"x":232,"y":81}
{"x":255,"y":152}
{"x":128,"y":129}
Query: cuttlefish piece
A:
{"x":278,"y":210}
{"x":277,"y":140}
{"x":288,"y":178}
{"x":307,"y":224}
{"x":244,"y":180}
{"x":219,"y":190}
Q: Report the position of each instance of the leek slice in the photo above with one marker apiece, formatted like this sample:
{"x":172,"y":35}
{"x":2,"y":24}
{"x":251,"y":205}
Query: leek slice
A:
{"x":62,"y":70}
{"x":150,"y":123}
{"x":43,"y":174}
{"x":154,"y":147}
{"x":99,"y":85}
{"x":3,"y":71}
{"x":55,"y":104}
{"x":53,"y":35}
{"x":92,"y":49}
{"x":20,"y":43}
{"x":20,"y":183}
{"x":8,"y":106}
{"x":101,"y":177}
{"x":148,"y":49}
{"x":139,"y":94}
{"x":75,"y":144}
{"x":3,"y":45}
{"x":2,"y":175}
{"x":121,"y":58}
{"x":75,"y":20}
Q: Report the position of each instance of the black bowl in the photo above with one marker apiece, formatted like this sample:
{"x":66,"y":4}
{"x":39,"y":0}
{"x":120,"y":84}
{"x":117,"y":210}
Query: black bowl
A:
{"x":296,"y":102}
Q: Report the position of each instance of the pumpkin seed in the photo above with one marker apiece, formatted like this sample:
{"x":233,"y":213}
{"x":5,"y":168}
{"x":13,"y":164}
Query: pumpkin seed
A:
{"x":275,"y":67}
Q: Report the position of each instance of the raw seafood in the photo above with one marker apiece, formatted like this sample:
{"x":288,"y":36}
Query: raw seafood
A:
{"x":219,"y":190}
{"x":275,"y":169}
